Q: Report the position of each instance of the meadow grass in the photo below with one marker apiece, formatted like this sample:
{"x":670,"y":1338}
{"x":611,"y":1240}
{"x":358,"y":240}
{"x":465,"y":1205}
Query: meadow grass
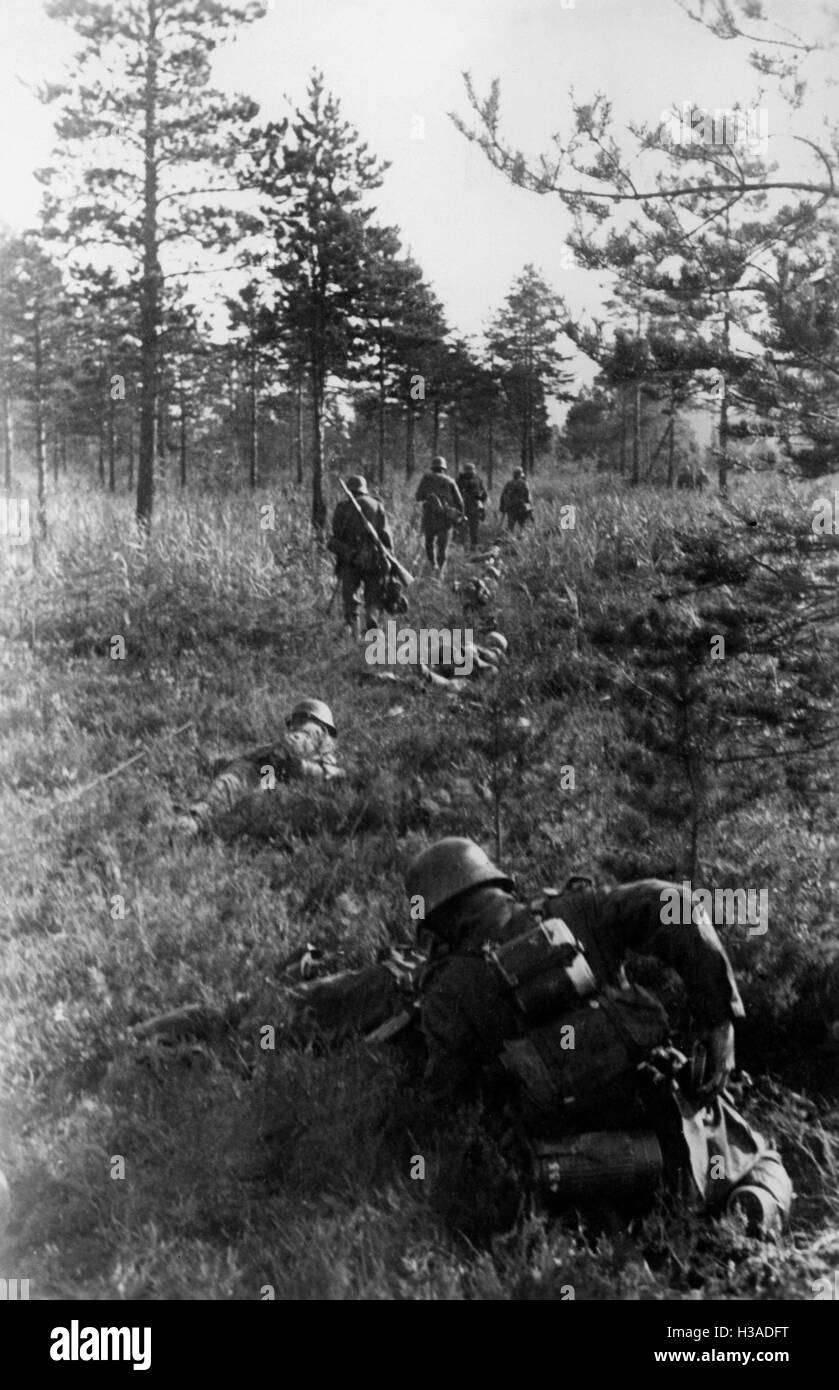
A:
{"x":225,"y":626}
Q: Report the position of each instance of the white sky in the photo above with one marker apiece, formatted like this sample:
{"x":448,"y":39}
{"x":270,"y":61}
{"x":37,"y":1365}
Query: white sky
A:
{"x":390,"y":61}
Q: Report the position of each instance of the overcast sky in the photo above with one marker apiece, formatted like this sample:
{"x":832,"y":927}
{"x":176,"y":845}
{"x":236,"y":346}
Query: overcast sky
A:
{"x":396,"y":66}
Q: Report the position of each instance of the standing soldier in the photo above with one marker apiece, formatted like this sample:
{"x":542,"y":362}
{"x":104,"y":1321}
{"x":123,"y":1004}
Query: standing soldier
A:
{"x":474,"y":496}
{"x":528,"y":1006}
{"x":442,"y":509}
{"x":359,"y":559}
{"x":307,"y":751}
{"x":515,"y":501}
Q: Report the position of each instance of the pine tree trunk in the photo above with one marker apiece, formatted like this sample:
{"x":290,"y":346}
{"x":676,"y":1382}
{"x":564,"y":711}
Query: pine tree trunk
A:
{"x":163,"y":437}
{"x":100,"y":457}
{"x":722,"y":463}
{"x":636,"y":436}
{"x":150,"y":282}
{"x":318,"y":503}
{"x":381,"y":431}
{"x":182,"y":403}
{"x":254,"y":423}
{"x":112,"y":447}
{"x":8,"y":441}
{"x":622,"y":464}
{"x":671,"y":452}
{"x":435,"y":431}
{"x":410,"y":458}
{"x":299,"y":429}
{"x":40,"y":426}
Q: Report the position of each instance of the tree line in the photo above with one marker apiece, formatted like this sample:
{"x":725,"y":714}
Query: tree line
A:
{"x":319,"y":338}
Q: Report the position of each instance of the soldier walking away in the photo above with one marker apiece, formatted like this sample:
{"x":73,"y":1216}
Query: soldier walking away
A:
{"x":306,"y":751}
{"x":515,"y":501}
{"x":527,"y":1009}
{"x":442,"y":509}
{"x":358,"y":559}
{"x":474,"y":495}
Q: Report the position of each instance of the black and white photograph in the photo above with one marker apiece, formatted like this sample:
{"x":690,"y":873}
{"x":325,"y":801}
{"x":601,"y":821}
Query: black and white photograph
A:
{"x":419,"y":637}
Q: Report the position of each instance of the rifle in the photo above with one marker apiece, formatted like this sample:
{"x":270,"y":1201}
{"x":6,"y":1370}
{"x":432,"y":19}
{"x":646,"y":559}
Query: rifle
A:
{"x":404,"y":576}
{"x":376,"y":1003}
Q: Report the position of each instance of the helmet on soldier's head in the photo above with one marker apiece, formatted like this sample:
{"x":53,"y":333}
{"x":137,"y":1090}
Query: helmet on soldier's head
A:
{"x":448,"y":868}
{"x":469,"y":468}
{"x":357,"y":485}
{"x":518,"y":472}
{"x":313,"y":709}
{"x":439,"y":465}
{"x":498,"y":640}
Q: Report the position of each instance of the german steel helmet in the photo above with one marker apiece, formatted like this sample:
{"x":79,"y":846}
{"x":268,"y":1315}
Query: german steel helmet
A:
{"x":439,"y":465}
{"x":357,"y":485}
{"x":518,"y":472}
{"x":313,"y":709}
{"x":447,"y":868}
{"x":469,"y":468}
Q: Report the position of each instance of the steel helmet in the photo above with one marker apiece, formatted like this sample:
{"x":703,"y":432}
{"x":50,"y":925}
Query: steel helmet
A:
{"x":313,"y":709}
{"x":357,"y":485}
{"x":518,"y":472}
{"x":469,"y":468}
{"x":439,"y":465}
{"x":497,"y":639}
{"x":447,"y":868}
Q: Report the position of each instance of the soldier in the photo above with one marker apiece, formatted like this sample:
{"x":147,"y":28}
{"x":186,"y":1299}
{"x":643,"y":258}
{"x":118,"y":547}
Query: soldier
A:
{"x":474,"y":496}
{"x":306,"y":751}
{"x":442,"y":509}
{"x":358,"y":560}
{"x":485,"y":661}
{"x":515,"y":501}
{"x":528,"y":1007}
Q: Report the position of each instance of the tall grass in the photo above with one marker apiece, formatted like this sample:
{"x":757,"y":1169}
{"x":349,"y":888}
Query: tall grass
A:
{"x":225,"y":625}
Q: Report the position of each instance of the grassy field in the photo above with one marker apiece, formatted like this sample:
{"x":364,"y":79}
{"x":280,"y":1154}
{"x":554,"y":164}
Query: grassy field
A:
{"x":129,"y":1163}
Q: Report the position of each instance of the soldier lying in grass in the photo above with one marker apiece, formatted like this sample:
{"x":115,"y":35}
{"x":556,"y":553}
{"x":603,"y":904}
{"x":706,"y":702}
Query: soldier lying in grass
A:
{"x":523,"y":1012}
{"x":306,"y":751}
{"x":486,"y":660}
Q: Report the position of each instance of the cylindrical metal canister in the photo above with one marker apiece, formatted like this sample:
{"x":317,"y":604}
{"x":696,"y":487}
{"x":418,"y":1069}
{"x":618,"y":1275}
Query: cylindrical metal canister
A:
{"x":614,"y":1163}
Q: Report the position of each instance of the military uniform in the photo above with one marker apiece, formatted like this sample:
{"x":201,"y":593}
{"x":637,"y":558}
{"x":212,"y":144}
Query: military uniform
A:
{"x":306,"y":752}
{"x":359,"y":561}
{"x":482,"y":1044}
{"x":474,"y":496}
{"x":442,"y":506}
{"x":515,"y":501}
{"x":486,"y":660}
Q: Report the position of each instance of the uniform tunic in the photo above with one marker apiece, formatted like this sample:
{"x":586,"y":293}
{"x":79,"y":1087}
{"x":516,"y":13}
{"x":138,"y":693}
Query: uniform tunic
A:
{"x":307,"y":752}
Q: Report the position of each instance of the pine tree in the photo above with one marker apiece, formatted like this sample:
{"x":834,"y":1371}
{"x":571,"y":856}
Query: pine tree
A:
{"x":314,"y":173}
{"x":145,"y":151}
{"x":36,"y":311}
{"x":402,"y":321}
{"x":523,"y":340}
